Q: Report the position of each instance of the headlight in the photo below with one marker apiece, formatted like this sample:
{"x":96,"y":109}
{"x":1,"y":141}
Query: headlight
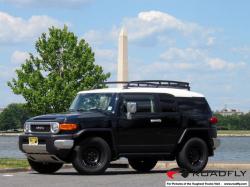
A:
{"x":55,"y":127}
{"x":26,"y":127}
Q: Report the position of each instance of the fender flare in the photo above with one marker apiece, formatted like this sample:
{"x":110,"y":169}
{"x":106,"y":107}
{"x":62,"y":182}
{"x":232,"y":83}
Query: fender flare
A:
{"x":100,"y":132}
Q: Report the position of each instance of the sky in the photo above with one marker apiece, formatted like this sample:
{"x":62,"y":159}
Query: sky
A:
{"x":206,"y":43}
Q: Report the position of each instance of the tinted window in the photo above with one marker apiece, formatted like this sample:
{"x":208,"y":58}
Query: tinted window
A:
{"x":144,"y":103}
{"x":167,"y":103}
{"x":92,"y":101}
{"x":196,"y":105}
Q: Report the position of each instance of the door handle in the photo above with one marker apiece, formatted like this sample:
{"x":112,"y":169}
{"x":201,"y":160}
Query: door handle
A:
{"x":155,"y":120}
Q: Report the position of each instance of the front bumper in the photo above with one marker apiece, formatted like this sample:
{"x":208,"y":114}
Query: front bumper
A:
{"x":49,"y":148}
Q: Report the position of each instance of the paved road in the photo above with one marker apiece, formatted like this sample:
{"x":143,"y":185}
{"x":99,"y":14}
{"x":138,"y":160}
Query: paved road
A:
{"x":112,"y":178}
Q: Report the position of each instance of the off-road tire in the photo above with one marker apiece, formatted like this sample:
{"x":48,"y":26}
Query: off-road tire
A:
{"x":193,"y":155}
{"x":92,"y":156}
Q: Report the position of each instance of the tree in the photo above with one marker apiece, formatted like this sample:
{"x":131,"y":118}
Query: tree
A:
{"x":14,"y":116}
{"x":63,"y":66}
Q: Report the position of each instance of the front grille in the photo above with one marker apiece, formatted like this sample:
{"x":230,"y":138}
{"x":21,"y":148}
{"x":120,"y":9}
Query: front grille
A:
{"x":40,"y":127}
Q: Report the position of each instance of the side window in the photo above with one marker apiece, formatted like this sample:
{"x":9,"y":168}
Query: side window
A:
{"x":195,"y":105}
{"x":167,"y":103}
{"x":144,"y":103}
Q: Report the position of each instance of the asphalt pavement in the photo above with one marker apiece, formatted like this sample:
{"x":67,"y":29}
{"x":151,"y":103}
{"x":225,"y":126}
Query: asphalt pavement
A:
{"x":114,"y":177}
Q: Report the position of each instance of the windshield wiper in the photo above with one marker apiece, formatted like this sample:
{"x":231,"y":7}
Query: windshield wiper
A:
{"x":91,"y":109}
{"x":97,"y":110}
{"x":81,"y":110}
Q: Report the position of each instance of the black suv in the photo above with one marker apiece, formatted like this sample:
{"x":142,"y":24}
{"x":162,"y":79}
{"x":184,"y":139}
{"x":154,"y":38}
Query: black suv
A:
{"x":144,"y":121}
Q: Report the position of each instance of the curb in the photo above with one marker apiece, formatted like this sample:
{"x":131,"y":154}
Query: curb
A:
{"x":14,"y":170}
{"x":65,"y":166}
{"x":233,"y":135}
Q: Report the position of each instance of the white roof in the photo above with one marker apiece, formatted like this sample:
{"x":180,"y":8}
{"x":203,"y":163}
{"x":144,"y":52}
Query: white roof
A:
{"x":172,"y":91}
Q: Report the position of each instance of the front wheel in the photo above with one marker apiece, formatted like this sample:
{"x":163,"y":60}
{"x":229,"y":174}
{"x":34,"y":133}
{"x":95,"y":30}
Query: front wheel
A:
{"x":92,"y":156}
{"x":142,"y":165}
{"x":193,"y":155}
{"x":45,"y":167}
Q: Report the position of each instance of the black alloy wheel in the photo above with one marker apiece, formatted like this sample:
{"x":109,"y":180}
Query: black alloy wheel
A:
{"x":193,"y":155}
{"x":92,"y":156}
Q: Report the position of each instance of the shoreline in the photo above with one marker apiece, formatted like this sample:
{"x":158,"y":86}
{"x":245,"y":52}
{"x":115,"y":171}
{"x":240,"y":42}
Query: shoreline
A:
{"x":10,"y":134}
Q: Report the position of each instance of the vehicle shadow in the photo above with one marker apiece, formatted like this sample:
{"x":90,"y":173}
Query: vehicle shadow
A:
{"x":118,"y":172}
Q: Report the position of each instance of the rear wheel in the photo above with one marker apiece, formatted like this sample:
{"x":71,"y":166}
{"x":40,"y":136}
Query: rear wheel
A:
{"x":92,"y":156}
{"x":142,"y":164}
{"x":45,"y":167}
{"x":193,"y":156}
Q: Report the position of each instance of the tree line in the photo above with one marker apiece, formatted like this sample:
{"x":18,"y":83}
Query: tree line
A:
{"x":233,"y":122}
{"x":14,"y":116}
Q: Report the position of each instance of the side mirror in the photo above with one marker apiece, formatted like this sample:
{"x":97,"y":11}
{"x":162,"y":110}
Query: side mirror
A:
{"x":131,"y":109}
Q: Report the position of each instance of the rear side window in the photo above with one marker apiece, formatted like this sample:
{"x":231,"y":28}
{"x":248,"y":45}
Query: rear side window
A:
{"x":167,"y":103}
{"x":194,"y":105}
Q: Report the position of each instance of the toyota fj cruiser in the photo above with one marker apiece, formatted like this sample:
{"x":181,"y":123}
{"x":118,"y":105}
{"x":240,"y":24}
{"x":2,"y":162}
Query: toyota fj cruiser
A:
{"x":144,"y":121}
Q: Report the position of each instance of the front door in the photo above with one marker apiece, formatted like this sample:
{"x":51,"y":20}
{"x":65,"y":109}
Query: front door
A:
{"x":140,"y":134}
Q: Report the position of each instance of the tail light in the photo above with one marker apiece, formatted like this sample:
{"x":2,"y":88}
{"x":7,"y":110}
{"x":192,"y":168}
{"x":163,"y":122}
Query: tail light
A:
{"x":213,"y":120}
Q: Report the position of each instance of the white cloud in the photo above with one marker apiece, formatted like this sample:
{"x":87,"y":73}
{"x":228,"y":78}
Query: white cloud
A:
{"x":220,"y":64}
{"x":96,"y":37}
{"x":19,"y":57}
{"x":17,"y":29}
{"x":182,"y":55}
{"x":154,"y":26}
{"x":188,"y":58}
{"x":105,"y":54}
{"x":153,"y":22}
{"x":107,"y":58}
{"x":217,"y":63}
{"x":47,"y":3}
{"x":210,"y":41}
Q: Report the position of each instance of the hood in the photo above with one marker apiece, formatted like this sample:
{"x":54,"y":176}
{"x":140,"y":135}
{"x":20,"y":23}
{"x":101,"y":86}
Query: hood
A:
{"x":68,"y":117}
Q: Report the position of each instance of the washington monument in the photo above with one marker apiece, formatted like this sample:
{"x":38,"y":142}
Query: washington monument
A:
{"x":122,"y":71}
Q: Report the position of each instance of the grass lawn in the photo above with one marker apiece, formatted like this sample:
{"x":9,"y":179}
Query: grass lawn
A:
{"x":13,"y":163}
{"x":233,"y":132}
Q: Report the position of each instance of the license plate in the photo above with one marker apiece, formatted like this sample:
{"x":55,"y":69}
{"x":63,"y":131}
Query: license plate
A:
{"x":33,"y":141}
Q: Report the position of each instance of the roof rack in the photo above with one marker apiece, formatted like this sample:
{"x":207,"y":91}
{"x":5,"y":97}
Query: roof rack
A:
{"x":152,"y":84}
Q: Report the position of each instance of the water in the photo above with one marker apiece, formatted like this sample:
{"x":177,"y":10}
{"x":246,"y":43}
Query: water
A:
{"x":9,"y":147}
{"x":232,"y":149}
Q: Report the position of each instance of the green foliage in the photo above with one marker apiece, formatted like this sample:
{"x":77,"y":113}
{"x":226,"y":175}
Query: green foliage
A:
{"x":14,"y":116}
{"x":50,"y":79}
{"x":6,"y":163}
{"x":234,"y":122}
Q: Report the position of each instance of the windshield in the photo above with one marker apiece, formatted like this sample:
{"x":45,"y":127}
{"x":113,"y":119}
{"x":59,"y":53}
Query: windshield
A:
{"x":93,"y":101}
